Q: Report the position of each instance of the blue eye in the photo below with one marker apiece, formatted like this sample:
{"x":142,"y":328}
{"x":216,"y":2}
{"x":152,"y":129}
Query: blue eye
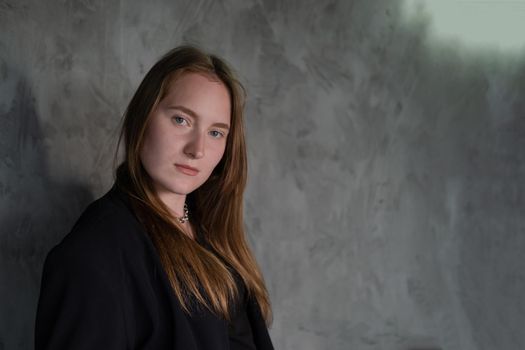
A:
{"x":216,"y":134}
{"x":179,"y":120}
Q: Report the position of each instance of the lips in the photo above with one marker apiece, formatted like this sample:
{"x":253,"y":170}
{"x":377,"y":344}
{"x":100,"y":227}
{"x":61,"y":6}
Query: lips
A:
{"x":186,"y":169}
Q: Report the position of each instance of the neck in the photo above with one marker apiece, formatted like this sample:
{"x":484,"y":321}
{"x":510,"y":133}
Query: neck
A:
{"x":174,"y":202}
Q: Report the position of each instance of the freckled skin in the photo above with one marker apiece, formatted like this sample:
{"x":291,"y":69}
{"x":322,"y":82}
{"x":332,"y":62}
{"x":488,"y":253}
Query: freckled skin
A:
{"x":175,"y":136}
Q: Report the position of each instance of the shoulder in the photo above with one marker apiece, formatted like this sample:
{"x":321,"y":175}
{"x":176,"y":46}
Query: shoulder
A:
{"x":105,"y":228}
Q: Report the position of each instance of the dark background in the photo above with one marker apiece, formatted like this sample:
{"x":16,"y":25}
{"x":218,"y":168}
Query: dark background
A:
{"x":386,"y":192}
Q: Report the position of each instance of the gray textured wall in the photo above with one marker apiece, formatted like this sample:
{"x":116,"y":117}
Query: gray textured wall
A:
{"x":387,"y":171}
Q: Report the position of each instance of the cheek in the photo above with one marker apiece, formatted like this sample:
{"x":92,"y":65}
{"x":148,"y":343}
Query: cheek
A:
{"x":151,"y":152}
{"x":146,"y":157}
{"x":157,"y":143}
{"x":213,"y":157}
{"x":217,"y":156}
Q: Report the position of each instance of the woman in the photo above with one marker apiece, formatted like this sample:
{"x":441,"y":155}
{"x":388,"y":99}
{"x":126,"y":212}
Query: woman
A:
{"x":161,"y":260}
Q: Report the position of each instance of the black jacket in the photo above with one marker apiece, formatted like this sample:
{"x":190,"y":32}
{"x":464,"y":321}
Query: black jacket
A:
{"x":103,"y":287}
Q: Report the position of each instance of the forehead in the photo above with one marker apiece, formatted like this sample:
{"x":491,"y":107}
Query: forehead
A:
{"x":203,"y":94}
{"x":196,"y":86}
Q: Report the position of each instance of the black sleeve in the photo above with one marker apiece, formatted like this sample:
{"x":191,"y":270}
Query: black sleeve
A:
{"x":79,"y":305}
{"x":260,"y":332}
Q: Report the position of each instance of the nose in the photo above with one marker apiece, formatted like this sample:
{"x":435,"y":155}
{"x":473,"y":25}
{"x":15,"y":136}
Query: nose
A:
{"x":195,"y":146}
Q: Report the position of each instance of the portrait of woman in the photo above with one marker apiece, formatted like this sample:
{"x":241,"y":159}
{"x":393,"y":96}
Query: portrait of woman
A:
{"x":161,"y":260}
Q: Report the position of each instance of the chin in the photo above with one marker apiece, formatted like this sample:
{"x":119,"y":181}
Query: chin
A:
{"x":171,"y":188}
{"x":180,"y":186}
{"x":182,"y":190}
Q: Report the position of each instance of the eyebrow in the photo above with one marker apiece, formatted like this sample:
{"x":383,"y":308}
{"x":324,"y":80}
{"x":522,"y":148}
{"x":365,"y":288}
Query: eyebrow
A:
{"x":194,"y":115}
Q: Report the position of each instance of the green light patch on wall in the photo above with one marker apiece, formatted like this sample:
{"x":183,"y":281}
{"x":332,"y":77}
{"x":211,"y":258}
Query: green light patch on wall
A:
{"x":496,"y":24}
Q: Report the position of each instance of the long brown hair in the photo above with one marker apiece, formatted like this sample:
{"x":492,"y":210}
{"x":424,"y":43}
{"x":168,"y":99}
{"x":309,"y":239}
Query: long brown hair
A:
{"x":216,"y":206}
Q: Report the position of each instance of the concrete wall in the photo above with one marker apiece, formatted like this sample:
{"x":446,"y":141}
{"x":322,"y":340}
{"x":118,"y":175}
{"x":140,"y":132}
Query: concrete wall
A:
{"x":386,"y":186}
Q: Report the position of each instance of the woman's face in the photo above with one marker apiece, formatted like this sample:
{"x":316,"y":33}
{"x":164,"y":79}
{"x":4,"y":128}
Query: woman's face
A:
{"x":188,"y":128}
